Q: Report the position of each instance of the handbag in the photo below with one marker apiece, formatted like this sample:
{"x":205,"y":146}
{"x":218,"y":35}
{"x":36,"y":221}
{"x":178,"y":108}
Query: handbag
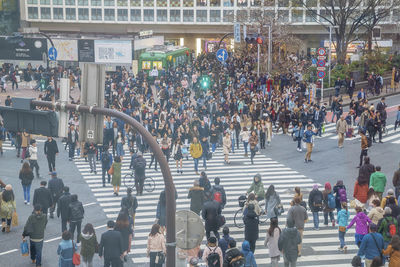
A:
{"x":24,"y":248}
{"x":111,"y":170}
{"x":14,"y":220}
{"x":342,"y":229}
{"x":209,"y":156}
{"x":76,"y":258}
{"x":279,"y":209}
{"x":160,"y":258}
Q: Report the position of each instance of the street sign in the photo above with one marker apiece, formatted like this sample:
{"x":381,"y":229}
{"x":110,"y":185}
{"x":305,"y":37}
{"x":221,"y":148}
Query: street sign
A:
{"x":189,"y":229}
{"x":244,"y":32}
{"x":321,"y":63}
{"x":90,"y":134}
{"x":52,"y":64}
{"x":52,"y":54}
{"x":222,"y":55}
{"x":321,"y":57}
{"x":321,"y":74}
{"x":320,"y":68}
{"x":236,"y":32}
{"x":321,"y":51}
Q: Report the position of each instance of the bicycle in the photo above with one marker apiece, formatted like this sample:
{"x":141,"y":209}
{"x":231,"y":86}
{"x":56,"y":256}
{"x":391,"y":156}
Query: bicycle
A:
{"x":238,"y":219}
{"x":148,"y":185}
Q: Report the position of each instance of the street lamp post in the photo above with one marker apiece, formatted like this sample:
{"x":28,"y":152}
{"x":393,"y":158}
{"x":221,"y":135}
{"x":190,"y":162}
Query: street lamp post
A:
{"x":269,"y":47}
{"x":330,"y":53}
{"x":258,"y":56}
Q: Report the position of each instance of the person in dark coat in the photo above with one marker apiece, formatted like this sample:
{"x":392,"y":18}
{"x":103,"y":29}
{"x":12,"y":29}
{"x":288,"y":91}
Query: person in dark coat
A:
{"x":42,"y":196}
{"x":26,"y":177}
{"x":62,"y":207}
{"x":223,"y":242}
{"x":232,"y":253}
{"x":288,"y":243}
{"x":196,"y":195}
{"x":111,"y":246}
{"x":251,"y":227}
{"x":315,"y":199}
{"x":51,"y":150}
{"x":106,"y":162}
{"x":162,"y":210}
{"x":366,"y":170}
{"x":139,"y":165}
{"x":205,"y":183}
{"x":211,"y":210}
{"x":56,"y":186}
{"x":75,"y":216}
{"x":72,"y":140}
{"x":130,"y":203}
{"x":219,"y":188}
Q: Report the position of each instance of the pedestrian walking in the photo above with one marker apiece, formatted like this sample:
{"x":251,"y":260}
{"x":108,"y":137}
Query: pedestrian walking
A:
{"x":253,"y":141}
{"x":360,"y":192}
{"x":26,"y":138}
{"x":26,"y":177}
{"x":223,"y":242}
{"x":122,"y":225}
{"x":226,"y":145}
{"x":178,"y":156}
{"x":139,"y":165}
{"x":251,"y":199}
{"x":271,"y":242}
{"x":366,"y":170}
{"x":115,"y":171}
{"x":376,"y":213}
{"x":156,"y":247}
{"x":111,"y":246}
{"x":288,"y":244}
{"x":371,"y":246}
{"x":72,"y":141}
{"x":196,"y":196}
{"x":106,"y":163}
{"x":248,"y":255}
{"x":298,"y":214}
{"x":378,"y":181}
{"x":42,"y":196}
{"x":273,"y":206}
{"x":34,"y":228}
{"x":66,"y":250}
{"x":340,"y":194}
{"x":251,"y":231}
{"x":130,"y":204}
{"x":396,"y":182}
{"x":89,"y":245}
{"x":91,"y":151}
{"x":7,"y":208}
{"x":212,"y":254}
{"x":257,"y":187}
{"x":329,"y":204}
{"x":362,"y":221}
{"x":308,"y":139}
{"x":51,"y":151}
{"x":62,"y":208}
{"x":161,"y":211}
{"x":33,"y":158}
{"x":343,"y":221}
{"x":341,"y":129}
{"x":389,"y":198}
{"x":393,"y":250}
{"x":120,"y":141}
{"x":364,"y":146}
{"x":315,"y":203}
{"x":388,"y":226}
{"x":56,"y":186}
{"x":298,"y":132}
{"x":210,"y":213}
{"x":245,"y":136}
{"x":196,"y":152}
{"x":205,"y":147}
{"x":218,"y":192}
{"x":233,"y":256}
{"x":75,"y":217}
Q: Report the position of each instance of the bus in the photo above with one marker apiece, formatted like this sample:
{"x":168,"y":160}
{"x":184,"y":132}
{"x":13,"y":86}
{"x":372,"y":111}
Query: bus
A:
{"x":163,"y":56}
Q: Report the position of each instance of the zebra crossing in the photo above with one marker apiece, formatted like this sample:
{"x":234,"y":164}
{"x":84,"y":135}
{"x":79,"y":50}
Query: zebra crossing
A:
{"x":8,"y":147}
{"x":320,"y":248}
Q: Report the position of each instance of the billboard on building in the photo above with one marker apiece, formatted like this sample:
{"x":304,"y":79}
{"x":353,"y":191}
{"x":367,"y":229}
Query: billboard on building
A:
{"x":67,"y":50}
{"x":113,"y":51}
{"x":86,"y":50}
{"x":26,"y":49}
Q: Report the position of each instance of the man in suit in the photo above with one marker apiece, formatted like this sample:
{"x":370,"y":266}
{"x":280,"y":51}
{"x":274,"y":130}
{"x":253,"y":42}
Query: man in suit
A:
{"x":51,"y":150}
{"x":73,"y":138}
{"x":42,"y":196}
{"x":62,"y":208}
{"x":352,"y":86}
{"x":56,"y":186}
{"x":111,"y":246}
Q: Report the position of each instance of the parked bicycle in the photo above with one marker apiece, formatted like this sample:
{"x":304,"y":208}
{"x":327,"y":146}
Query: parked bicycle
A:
{"x":149,"y":185}
{"x":238,"y":219}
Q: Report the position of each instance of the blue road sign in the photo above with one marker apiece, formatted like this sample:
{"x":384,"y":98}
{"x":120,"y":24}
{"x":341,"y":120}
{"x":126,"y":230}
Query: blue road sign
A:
{"x":321,"y":74}
{"x":52,"y":53}
{"x":222,"y":55}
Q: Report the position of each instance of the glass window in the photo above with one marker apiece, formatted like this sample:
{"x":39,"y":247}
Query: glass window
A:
{"x":96,"y":14}
{"x":215,"y":16}
{"x":324,"y":14}
{"x":215,"y":2}
{"x":188,"y":15}
{"x":228,"y":3}
{"x":95,"y":2}
{"x":45,"y":2}
{"x":175,"y":15}
{"x":83,"y":2}
{"x":57,"y":2}
{"x":228,"y":16}
{"x":109,"y":14}
{"x":122,"y":14}
{"x":242,"y":3}
{"x":122,"y":2}
{"x":83,"y":14}
{"x":70,"y":2}
{"x":269,"y":15}
{"x":255,"y":14}
{"x":70,"y":13}
{"x":135,"y":2}
{"x":162,"y":15}
{"x":58,"y":13}
{"x":269,"y":2}
{"x":148,"y":15}
{"x":201,"y":15}
{"x":32,"y":2}
{"x":188,"y":3}
{"x":297,"y":3}
{"x":162,"y":3}
{"x":297,"y":15}
{"x":311,"y":3}
{"x":241,"y":15}
{"x":311,"y":16}
{"x":201,"y":2}
{"x":283,"y":3}
{"x":283,"y":15}
{"x":175,"y":3}
{"x":148,"y":3}
{"x":255,"y":2}
{"x":109,"y":2}
{"x":45,"y":13}
{"x":136,"y":15}
{"x":33,"y":13}
{"x":396,"y":15}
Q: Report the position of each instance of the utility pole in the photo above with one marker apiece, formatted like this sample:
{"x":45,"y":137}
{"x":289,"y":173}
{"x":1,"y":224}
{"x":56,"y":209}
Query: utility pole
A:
{"x":269,"y":47}
{"x":258,"y":56}
{"x":330,"y":55}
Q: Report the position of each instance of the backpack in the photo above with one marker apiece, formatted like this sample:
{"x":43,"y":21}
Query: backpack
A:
{"x":392,"y":230}
{"x":105,"y":159}
{"x":331,"y":201}
{"x":238,"y":261}
{"x":317,"y":201}
{"x":342,"y":195}
{"x":213,"y":258}
{"x":387,"y":201}
{"x":217,"y":196}
{"x":140,"y":165}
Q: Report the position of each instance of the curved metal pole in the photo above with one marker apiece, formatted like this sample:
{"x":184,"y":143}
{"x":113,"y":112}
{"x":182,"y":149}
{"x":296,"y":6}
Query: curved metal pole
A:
{"x":48,"y":38}
{"x":223,"y":37}
{"x":168,"y":181}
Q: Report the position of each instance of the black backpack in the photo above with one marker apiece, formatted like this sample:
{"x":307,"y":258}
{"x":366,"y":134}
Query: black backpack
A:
{"x":105,"y":159}
{"x":238,"y":261}
{"x":213,"y":259}
{"x":317,"y":201}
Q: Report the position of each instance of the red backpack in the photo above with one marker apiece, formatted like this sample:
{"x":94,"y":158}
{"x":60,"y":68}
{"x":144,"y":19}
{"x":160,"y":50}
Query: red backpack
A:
{"x":217,"y":196}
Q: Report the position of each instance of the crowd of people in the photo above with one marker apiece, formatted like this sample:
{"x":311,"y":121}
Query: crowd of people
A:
{"x":189,"y":119}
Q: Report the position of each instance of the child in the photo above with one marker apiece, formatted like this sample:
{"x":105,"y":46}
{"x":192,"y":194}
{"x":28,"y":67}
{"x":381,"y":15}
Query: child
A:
{"x":343,"y":221}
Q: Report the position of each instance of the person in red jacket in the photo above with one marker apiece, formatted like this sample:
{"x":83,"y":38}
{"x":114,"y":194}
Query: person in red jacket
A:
{"x":361,"y":191}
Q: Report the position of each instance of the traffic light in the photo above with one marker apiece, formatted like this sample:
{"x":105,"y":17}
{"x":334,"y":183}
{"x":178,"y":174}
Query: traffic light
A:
{"x":260,"y":40}
{"x":255,"y":39}
{"x":205,"y":82}
{"x":250,"y":40}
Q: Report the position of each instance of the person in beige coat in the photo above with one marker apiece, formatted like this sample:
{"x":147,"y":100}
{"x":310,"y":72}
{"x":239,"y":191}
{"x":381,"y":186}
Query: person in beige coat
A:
{"x":376,"y":213}
{"x":271,"y":241}
{"x":341,"y":129}
{"x":26,"y":137}
{"x":226,"y":144}
{"x":156,"y":246}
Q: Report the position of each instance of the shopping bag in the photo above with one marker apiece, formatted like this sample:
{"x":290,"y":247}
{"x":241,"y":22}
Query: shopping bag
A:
{"x":14,"y":220}
{"x":24,"y":248}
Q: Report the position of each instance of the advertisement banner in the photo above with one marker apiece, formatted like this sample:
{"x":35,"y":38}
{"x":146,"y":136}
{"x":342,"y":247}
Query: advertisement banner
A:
{"x":26,"y":49}
{"x":113,"y":51}
{"x":67,"y":50}
{"x":86,"y":50}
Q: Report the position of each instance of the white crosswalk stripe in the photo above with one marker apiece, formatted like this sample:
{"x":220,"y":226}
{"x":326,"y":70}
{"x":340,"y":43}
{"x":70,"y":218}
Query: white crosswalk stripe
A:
{"x":319,"y":249}
{"x":8,"y":147}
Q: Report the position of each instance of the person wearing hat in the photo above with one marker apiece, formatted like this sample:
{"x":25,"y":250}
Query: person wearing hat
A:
{"x":371,"y":245}
{"x":34,"y":157}
{"x":56,"y":186}
{"x":390,"y":194}
{"x":388,"y":226}
{"x":212,"y":253}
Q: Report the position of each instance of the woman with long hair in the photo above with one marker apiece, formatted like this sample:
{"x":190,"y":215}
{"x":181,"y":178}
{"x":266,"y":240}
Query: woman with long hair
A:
{"x":178,"y":156}
{"x":89,"y":245}
{"x":26,"y":177}
{"x":7,"y":208}
{"x":272,"y":201}
{"x":156,"y":247}
{"x":226,"y":144}
{"x":116,"y":174}
{"x":253,"y":141}
{"x":271,"y":241}
{"x":122,"y":225}
{"x":120,"y":141}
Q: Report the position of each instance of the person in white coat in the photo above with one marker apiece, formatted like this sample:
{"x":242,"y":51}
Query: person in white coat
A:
{"x":33,"y":157}
{"x":271,"y":241}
